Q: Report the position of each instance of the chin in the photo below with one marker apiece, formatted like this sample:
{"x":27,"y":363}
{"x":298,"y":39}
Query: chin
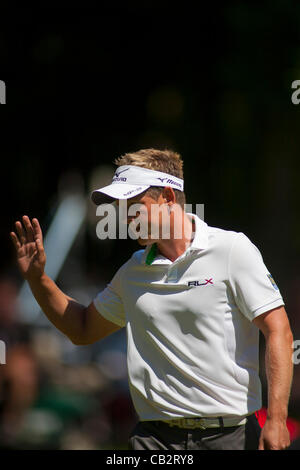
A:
{"x":144,"y":242}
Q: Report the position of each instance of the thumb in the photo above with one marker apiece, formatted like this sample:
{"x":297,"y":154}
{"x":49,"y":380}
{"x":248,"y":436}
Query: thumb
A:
{"x":261,"y":445}
{"x":39,"y":246}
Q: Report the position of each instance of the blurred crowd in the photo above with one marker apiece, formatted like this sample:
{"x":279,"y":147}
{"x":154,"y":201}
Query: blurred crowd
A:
{"x":54,"y":395}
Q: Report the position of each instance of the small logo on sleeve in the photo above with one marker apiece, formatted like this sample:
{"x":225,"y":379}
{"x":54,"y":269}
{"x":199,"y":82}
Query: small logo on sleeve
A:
{"x":202,"y":282}
{"x":272,"y":281}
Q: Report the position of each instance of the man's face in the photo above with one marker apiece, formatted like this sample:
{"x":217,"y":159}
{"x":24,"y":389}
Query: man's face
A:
{"x":144,"y":216}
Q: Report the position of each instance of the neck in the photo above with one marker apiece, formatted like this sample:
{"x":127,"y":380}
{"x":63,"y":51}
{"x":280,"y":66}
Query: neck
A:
{"x":174,"y":247}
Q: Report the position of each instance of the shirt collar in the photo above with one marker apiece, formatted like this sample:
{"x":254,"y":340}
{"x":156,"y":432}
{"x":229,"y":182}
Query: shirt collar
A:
{"x":200,"y":242}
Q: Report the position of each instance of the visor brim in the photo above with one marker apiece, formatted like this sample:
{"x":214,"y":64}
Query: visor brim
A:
{"x":117,"y":191}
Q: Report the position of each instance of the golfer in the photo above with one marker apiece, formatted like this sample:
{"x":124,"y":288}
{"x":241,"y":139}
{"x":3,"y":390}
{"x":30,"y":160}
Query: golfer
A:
{"x":192,"y":306}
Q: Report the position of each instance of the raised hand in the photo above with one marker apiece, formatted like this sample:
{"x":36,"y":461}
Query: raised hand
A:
{"x":28,"y":242}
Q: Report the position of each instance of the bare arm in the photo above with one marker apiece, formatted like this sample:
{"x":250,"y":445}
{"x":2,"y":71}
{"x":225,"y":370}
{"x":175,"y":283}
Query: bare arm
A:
{"x":279,"y":370}
{"x":83,"y":325}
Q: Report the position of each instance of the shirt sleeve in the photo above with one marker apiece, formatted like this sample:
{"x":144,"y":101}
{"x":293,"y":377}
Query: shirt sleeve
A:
{"x":109,"y":302}
{"x":254,"y":288}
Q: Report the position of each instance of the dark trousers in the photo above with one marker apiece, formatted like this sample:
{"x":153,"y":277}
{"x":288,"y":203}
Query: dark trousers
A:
{"x":156,"y":435}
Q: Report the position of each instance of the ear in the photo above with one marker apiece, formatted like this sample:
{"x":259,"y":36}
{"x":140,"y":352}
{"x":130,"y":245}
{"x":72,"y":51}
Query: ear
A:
{"x":169,"y":195}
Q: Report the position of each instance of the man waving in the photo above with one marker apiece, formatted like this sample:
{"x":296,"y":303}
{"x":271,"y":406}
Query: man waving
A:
{"x":192,"y":306}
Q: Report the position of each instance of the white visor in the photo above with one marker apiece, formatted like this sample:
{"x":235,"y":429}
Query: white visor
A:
{"x":131,"y":180}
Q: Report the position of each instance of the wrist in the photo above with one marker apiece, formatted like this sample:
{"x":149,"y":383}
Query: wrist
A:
{"x":278,"y":416}
{"x":36,"y":278}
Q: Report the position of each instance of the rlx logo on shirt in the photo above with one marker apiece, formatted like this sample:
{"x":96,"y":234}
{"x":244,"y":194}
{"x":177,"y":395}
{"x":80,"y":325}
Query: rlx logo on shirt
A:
{"x":203,"y":282}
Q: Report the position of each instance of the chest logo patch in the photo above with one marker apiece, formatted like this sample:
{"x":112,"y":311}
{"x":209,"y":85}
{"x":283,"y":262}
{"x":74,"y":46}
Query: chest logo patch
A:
{"x":202,"y":282}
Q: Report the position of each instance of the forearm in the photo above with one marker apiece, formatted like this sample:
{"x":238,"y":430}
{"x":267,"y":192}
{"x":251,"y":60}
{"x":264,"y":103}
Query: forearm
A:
{"x":279,"y":371}
{"x":66,"y":314}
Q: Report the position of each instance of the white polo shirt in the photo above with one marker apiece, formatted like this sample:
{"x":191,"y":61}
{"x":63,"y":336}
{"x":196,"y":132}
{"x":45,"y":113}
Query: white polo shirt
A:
{"x":192,"y":349}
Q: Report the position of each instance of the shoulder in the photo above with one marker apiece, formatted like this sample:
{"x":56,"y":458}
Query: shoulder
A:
{"x":124,"y":270}
{"x":222,"y":238}
{"x":230,"y":241}
{"x":135,"y":259}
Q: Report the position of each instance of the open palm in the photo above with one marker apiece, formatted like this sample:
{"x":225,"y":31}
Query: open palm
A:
{"x":28,"y":242}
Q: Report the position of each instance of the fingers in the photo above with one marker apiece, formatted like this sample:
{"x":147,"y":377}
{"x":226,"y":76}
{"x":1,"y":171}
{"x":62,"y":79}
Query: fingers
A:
{"x":261,"y":445}
{"x":39,"y":246}
{"x":37,"y":230}
{"x":41,"y":256}
{"x":15,"y":240}
{"x":28,"y":228}
{"x":21,"y":232}
{"x":27,"y":232}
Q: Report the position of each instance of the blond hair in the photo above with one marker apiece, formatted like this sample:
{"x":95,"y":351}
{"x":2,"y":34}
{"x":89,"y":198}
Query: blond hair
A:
{"x":166,"y":161}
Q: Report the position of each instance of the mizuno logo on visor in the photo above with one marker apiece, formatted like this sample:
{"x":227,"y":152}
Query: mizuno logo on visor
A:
{"x":117,"y":174}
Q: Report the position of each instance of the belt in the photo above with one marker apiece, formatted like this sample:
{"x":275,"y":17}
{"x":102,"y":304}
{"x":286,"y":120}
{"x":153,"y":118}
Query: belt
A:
{"x":203,"y":423}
